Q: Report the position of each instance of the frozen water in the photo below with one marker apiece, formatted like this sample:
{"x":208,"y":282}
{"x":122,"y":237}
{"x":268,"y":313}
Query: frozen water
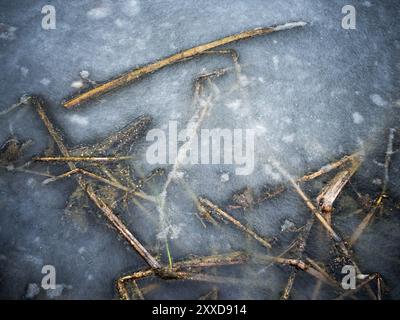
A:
{"x":312,"y":94}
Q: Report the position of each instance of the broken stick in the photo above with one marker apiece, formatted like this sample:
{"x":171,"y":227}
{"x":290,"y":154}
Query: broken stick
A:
{"x":227,"y":217}
{"x":132,"y":75}
{"x":86,"y":186}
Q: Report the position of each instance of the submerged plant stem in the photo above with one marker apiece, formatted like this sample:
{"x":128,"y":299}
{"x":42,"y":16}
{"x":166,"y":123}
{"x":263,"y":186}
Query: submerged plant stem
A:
{"x":87,"y":187}
{"x":227,"y":217}
{"x":82,"y":159}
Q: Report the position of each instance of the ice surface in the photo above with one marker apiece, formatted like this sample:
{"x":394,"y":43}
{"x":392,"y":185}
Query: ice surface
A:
{"x":313,"y":94}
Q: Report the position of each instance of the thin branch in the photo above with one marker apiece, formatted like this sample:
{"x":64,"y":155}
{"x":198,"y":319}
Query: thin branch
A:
{"x":81,"y":159}
{"x":117,"y":140}
{"x":86,"y":186}
{"x":332,"y":190}
{"x":112,"y":183}
{"x":301,"y":243}
{"x":227,"y":217}
{"x":311,"y":176}
{"x":379,"y":201}
{"x":360,"y":286}
{"x":183,"y":270}
{"x":131,"y":76}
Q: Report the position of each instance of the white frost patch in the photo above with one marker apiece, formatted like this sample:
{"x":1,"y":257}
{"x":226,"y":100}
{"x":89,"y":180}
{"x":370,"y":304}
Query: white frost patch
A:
{"x":140,"y":44}
{"x":377,"y":181}
{"x":275,"y":61}
{"x":269,"y":171}
{"x":131,"y":8}
{"x":7,"y":32}
{"x":378,"y":100}
{"x":289,"y":138}
{"x":80,"y":120}
{"x":367,"y":4}
{"x":290,"y":25}
{"x":31,"y":182}
{"x":357,"y":118}
{"x":84,"y":74}
{"x":260,"y":130}
{"x":175,"y":115}
{"x":119,"y":23}
{"x":54,"y":293}
{"x":35,"y":260}
{"x":77,"y":84}
{"x":98,"y":13}
{"x":177,"y":175}
{"x":32,"y":291}
{"x":287,"y":226}
{"x":234,"y":105}
{"x":24,"y":71}
{"x":81,"y":250}
{"x":224,"y":177}
{"x":45,"y":82}
{"x":287,"y":120}
{"x":243,"y":80}
{"x":172,"y":230}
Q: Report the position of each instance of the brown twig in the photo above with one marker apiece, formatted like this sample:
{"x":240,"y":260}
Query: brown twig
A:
{"x":112,"y":183}
{"x":379,"y":201}
{"x":311,"y":176}
{"x":86,"y":186}
{"x":330,"y":167}
{"x":325,"y":201}
{"x":309,"y":204}
{"x":131,"y":76}
{"x":332,"y":190}
{"x":183,"y":270}
{"x":298,"y":264}
{"x":341,"y":244}
{"x":81,"y":159}
{"x":227,"y":217}
{"x":374,"y":276}
{"x":301,"y":242}
{"x":118,"y":140}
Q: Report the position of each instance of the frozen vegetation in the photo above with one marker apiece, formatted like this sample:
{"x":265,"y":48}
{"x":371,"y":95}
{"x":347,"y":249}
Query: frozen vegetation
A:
{"x":312,"y":94}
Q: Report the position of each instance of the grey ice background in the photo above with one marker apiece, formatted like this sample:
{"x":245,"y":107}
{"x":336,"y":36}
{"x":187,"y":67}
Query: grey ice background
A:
{"x":314,"y":94}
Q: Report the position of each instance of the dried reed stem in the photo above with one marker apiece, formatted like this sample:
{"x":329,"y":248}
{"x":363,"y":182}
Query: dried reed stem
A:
{"x":131,"y":76}
{"x":227,"y":217}
{"x":86,"y":186}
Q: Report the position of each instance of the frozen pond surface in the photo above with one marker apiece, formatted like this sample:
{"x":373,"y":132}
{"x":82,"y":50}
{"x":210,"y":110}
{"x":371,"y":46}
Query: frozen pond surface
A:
{"x":312,"y":95}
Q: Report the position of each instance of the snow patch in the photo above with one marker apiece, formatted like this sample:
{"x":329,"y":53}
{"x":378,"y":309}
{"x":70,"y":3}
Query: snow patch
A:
{"x":224,"y":177}
{"x":98,"y":13}
{"x":357,"y":118}
{"x":289,"y":138}
{"x":45,"y":82}
{"x":269,"y":171}
{"x":378,"y":100}
{"x":290,"y":25}
{"x":80,"y":120}
{"x":131,"y":8}
{"x":234,"y":105}
{"x":77,"y":84}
